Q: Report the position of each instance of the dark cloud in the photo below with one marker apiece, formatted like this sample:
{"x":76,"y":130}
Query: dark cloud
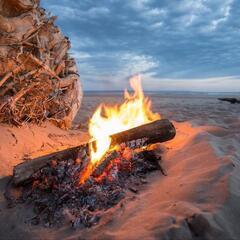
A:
{"x":167,"y":41}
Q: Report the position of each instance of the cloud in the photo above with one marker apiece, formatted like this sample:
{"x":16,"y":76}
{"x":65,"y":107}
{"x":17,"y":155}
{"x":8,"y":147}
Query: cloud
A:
{"x":139,"y":5}
{"x":216,"y":84}
{"x":78,"y":42}
{"x":156,"y":25}
{"x":154,"y":13}
{"x":144,"y":10}
{"x":97,"y":11}
{"x":63,"y":11}
{"x":68,"y":12}
{"x":123,"y":65}
{"x":223,"y":15}
{"x":199,"y":15}
{"x":80,"y":55}
{"x":133,"y":64}
{"x":193,"y":6}
{"x":183,"y":44}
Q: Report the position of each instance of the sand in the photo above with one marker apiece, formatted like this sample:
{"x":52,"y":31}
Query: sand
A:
{"x":198,"y":199}
{"x":31,"y":141}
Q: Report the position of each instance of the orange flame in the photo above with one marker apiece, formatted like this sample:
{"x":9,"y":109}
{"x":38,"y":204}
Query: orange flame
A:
{"x":108,"y":120}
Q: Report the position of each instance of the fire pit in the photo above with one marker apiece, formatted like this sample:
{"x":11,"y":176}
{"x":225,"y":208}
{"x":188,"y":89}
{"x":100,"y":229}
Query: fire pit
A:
{"x":55,"y":191}
{"x":79,"y":184}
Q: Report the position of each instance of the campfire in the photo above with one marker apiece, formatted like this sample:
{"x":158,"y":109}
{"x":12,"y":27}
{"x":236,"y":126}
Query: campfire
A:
{"x":108,"y":120}
{"x":82,"y":183}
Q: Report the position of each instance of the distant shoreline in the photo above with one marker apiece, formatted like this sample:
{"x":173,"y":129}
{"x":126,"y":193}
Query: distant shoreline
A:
{"x":164,"y":93}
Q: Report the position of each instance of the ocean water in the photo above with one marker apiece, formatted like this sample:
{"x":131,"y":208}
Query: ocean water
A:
{"x":200,"y":108}
{"x":165,"y":93}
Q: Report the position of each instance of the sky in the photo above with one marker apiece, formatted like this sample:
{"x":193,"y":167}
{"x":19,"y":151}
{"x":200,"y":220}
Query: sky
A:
{"x":191,"y":45}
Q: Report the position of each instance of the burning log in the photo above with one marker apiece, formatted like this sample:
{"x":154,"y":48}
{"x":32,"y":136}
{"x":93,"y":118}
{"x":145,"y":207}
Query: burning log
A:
{"x":157,"y":131}
{"x":99,"y":170}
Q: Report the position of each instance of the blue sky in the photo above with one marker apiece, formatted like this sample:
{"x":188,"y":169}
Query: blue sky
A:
{"x":175,"y":45}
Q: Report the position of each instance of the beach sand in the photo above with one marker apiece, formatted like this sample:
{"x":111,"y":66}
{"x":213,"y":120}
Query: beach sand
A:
{"x":198,"y":199}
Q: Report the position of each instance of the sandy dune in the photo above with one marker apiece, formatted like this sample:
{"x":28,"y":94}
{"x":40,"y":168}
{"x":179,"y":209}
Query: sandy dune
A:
{"x":198,"y":199}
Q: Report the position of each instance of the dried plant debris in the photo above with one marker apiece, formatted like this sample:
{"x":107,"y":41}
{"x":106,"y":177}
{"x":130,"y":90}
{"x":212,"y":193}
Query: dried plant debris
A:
{"x":56,"y":195}
{"x":38,"y":78}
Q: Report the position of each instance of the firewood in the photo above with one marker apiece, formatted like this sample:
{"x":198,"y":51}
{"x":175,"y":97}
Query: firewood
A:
{"x":157,"y":131}
{"x":100,"y":168}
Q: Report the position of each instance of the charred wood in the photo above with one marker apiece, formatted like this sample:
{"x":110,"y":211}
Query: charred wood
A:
{"x":102,"y":166}
{"x":157,"y":131}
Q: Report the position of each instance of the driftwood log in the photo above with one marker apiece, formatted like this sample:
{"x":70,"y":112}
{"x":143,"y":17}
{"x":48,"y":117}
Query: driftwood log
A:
{"x":157,"y":131}
{"x":231,"y":100}
{"x":38,"y":78}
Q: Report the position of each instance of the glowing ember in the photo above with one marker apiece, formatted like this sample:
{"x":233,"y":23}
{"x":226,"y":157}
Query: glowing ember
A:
{"x":108,"y":120}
